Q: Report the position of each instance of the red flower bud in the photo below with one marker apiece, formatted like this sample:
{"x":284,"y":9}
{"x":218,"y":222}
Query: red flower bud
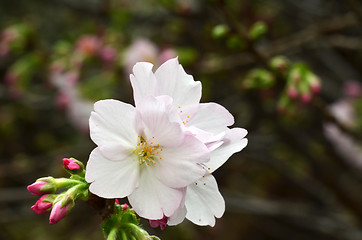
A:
{"x":36,"y":187}
{"x":42,"y":206}
{"x":70,"y":164}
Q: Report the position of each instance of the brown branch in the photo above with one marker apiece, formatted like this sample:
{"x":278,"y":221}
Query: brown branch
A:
{"x":292,"y":42}
{"x":311,"y":33}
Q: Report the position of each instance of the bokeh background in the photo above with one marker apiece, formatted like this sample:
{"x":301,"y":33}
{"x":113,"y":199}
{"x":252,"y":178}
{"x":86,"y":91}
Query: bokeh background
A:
{"x":289,"y":71}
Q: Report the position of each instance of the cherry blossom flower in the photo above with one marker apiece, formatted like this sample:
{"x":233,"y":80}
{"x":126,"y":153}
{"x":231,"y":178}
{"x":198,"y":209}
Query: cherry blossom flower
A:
{"x":208,"y":122}
{"x":142,"y":50}
{"x":143,"y":154}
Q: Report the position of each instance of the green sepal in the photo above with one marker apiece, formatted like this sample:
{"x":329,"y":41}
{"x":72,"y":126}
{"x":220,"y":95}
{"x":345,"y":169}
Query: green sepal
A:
{"x":50,"y":187}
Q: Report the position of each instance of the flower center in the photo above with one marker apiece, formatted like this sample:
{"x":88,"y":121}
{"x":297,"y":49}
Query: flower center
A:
{"x":147,"y":151}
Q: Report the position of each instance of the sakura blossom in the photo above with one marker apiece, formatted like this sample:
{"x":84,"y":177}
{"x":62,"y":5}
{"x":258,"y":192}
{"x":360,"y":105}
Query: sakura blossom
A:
{"x":208,"y":122}
{"x":143,"y":153}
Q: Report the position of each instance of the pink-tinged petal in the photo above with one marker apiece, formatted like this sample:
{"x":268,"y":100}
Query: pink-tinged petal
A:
{"x":41,"y":206}
{"x":112,"y":128}
{"x":152,"y":199}
{"x":58,"y":213}
{"x":36,"y":187}
{"x":157,"y":124}
{"x":172,"y":80}
{"x":111,"y":179}
{"x":212,"y":117}
{"x":186,"y":113}
{"x":233,"y":142}
{"x":204,"y":202}
{"x":143,"y":81}
{"x":180,"y":165}
{"x":203,"y":136}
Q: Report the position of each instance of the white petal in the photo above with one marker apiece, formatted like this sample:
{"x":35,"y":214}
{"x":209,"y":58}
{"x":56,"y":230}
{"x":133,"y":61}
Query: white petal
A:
{"x":113,"y":124}
{"x":204,"y":201}
{"x":152,"y":199}
{"x":179,"y":165}
{"x":180,"y":214}
{"x":177,"y":217}
{"x":143,"y":81}
{"x":157,"y":123}
{"x":233,"y":142}
{"x":172,"y":80}
{"x":212,"y":117}
{"x":111,"y":179}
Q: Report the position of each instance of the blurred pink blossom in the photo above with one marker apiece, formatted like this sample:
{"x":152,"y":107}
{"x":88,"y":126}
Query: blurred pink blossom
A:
{"x":108,"y":54}
{"x":167,"y":54}
{"x":349,"y":149}
{"x":141,"y":50}
{"x":88,"y":45}
{"x":353,"y":89}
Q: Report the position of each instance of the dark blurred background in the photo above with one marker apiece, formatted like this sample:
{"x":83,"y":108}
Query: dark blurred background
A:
{"x":289,"y":71}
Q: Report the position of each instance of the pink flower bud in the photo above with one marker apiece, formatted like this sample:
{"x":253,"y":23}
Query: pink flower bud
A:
{"x":167,"y":54}
{"x":108,"y":54}
{"x":70,"y":164}
{"x":36,"y":187}
{"x":58,"y":213}
{"x":11,"y":78}
{"x":353,"y":89}
{"x":306,"y":97}
{"x":124,"y":206}
{"x":162,"y":223}
{"x":88,"y":44}
{"x":292,"y":92}
{"x":41,"y":206}
{"x":62,"y":100}
{"x":316,"y":87}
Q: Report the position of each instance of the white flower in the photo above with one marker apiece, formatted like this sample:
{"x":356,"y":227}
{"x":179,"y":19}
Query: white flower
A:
{"x":142,"y":153}
{"x":207,"y":121}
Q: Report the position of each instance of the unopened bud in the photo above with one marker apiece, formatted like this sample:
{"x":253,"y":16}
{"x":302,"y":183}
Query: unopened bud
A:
{"x":258,"y":30}
{"x":220,"y":31}
{"x":292,"y":92}
{"x":72,"y":164}
{"x":50,"y":186}
{"x":58,"y":212}
{"x":43,"y":205}
{"x":279,"y":63}
{"x":36,"y":188}
{"x":306,"y":97}
{"x":314,"y":83}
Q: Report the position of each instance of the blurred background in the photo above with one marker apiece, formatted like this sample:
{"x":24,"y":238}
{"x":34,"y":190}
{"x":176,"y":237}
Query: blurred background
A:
{"x":289,"y":71}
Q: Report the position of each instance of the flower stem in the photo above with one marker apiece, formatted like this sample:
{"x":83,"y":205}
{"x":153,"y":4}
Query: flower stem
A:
{"x":113,"y":235}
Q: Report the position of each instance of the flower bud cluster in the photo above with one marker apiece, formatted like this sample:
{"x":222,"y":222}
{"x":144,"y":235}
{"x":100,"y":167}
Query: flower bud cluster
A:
{"x":124,"y":224}
{"x":60,"y":204}
{"x":259,"y":78}
{"x":302,"y":84}
{"x":15,"y":38}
